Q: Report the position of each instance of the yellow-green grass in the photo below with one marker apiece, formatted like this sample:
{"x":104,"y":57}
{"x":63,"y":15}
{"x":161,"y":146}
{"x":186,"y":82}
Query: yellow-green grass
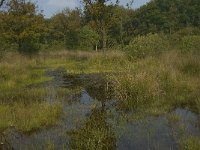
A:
{"x":171,"y":79}
{"x":74,"y":62}
{"x":25,"y":96}
{"x":190,"y":143}
{"x":85,"y":62}
{"x":28,"y":109}
{"x":160,"y":84}
{"x":173,"y":118}
{"x":27,"y":118}
{"x":154,"y":85}
{"x":17,"y":71}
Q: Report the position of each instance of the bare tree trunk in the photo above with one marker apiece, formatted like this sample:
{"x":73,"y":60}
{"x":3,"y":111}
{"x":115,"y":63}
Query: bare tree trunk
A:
{"x":64,"y":39}
{"x":96,"y":48}
{"x":121,"y":32}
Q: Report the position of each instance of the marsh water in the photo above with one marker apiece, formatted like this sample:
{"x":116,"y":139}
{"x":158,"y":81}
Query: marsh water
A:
{"x":92,"y":120}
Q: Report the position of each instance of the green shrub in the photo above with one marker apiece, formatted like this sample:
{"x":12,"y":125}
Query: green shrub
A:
{"x":190,"y":43}
{"x":5,"y":46}
{"x":149,"y":45}
{"x":178,"y":38}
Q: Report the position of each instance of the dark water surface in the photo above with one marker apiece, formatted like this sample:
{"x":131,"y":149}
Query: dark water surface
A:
{"x":91,"y":120}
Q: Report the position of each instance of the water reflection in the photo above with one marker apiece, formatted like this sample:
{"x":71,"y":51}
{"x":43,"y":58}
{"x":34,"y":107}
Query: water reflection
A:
{"x":91,"y":121}
{"x":101,"y":90}
{"x":95,"y":134}
{"x":4,"y":144}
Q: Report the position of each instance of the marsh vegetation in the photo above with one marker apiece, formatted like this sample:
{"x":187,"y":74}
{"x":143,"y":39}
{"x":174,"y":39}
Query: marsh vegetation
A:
{"x":100,"y":77}
{"x":91,"y":99}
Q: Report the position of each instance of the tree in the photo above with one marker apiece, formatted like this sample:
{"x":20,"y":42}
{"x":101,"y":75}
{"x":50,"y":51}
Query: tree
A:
{"x":22,"y":25}
{"x":98,"y":15}
{"x":65,"y":26}
{"x":121,"y":25}
{"x":167,"y":16}
{"x":88,"y":38}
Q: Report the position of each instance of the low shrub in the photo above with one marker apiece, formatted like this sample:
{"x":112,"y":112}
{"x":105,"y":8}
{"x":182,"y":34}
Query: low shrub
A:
{"x":190,"y":43}
{"x":149,"y":45}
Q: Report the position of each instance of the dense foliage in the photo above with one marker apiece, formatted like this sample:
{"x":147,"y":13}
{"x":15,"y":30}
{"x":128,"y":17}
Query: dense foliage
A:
{"x":101,"y":25}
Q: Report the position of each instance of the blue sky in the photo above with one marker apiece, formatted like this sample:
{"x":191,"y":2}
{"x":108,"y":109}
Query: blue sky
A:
{"x":51,"y":7}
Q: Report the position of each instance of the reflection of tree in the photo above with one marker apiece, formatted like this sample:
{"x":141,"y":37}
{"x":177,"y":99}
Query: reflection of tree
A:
{"x":4,"y":145}
{"x":1,"y":2}
{"x":96,"y":134}
{"x":100,"y":89}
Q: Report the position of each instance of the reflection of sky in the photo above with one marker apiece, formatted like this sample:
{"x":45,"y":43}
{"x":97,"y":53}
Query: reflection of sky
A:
{"x":50,"y":7}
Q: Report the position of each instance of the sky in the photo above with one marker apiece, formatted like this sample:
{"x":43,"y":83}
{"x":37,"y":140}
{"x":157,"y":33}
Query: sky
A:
{"x":51,"y":7}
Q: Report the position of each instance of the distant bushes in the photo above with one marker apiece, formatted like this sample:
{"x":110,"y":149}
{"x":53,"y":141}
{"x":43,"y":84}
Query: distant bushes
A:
{"x":5,"y":46}
{"x":186,"y":40}
{"x":148,"y":45}
{"x":190,"y":43}
{"x":29,"y":47}
{"x":188,"y":31}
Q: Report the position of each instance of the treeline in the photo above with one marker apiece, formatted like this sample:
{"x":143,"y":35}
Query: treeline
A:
{"x":98,"y":25}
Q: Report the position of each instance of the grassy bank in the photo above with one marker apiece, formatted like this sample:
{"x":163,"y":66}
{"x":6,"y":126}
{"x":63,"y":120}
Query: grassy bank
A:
{"x":171,"y":79}
{"x":22,"y":107}
{"x":29,"y":118}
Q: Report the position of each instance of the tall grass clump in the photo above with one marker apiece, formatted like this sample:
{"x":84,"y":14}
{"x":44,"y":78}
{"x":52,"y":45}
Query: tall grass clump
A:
{"x":136,"y":89}
{"x":147,"y":45}
{"x":191,"y":65}
{"x":154,"y":83}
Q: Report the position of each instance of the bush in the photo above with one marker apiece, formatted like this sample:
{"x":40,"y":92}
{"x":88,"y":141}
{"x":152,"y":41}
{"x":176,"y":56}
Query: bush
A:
{"x":29,"y":47}
{"x":176,"y":38}
{"x":5,"y":46}
{"x":188,"y":31}
{"x":149,"y":45}
{"x":190,"y":43}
